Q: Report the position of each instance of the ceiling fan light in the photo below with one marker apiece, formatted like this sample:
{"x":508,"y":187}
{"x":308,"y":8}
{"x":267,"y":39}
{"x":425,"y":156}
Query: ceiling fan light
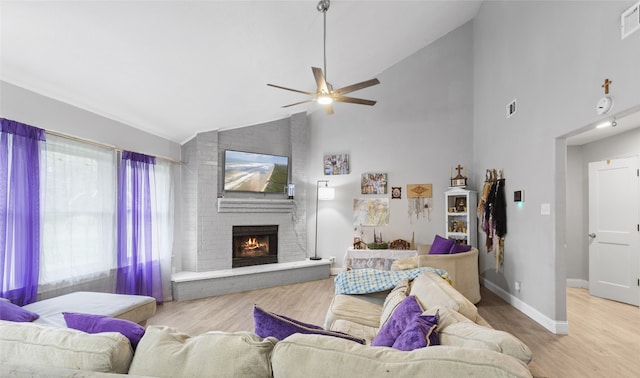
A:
{"x":325,"y":100}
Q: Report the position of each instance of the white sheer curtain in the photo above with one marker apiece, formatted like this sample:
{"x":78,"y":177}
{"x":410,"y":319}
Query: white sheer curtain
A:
{"x":79,"y":235}
{"x":162,"y":208}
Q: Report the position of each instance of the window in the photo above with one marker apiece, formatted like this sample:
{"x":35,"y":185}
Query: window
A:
{"x":78,"y":240}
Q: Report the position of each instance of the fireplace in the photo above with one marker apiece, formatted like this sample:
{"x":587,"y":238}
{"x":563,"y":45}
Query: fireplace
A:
{"x":254,"y":245}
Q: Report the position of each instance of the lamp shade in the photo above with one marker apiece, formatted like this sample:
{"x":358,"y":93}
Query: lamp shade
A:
{"x":325,"y":193}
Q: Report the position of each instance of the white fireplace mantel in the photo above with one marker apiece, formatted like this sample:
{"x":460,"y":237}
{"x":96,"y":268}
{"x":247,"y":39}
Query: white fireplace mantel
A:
{"x":253,"y":205}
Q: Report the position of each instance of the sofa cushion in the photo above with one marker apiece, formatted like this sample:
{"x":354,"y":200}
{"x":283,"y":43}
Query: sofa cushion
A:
{"x":440,"y":245}
{"x":279,"y":326}
{"x":471,"y":335}
{"x":37,"y":345}
{"x":408,"y":309}
{"x":306,"y":355}
{"x":355,"y":329}
{"x":99,"y":323}
{"x":446,"y":316}
{"x":355,"y":308}
{"x":393,"y":299}
{"x":419,"y":333}
{"x":11,"y":312}
{"x":166,"y":352}
{"x":459,"y":248}
{"x":406,"y":263}
{"x":431,"y":290}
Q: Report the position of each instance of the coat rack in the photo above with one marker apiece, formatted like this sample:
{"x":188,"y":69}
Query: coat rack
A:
{"x":492,"y":213}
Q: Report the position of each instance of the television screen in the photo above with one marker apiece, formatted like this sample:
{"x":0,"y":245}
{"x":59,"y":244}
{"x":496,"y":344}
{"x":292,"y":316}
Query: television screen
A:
{"x":254,"y":172}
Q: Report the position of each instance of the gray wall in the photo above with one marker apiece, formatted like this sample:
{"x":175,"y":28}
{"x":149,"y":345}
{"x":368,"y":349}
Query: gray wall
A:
{"x":553,"y":57}
{"x":36,"y":110}
{"x":419,"y":129}
{"x":577,"y":256}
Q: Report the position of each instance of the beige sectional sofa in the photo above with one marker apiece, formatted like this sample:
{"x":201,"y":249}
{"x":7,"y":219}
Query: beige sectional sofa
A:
{"x":461,"y":267}
{"x":463,"y":332}
{"x":469,"y":347}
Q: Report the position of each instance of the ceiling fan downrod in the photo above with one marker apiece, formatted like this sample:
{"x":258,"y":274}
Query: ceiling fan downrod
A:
{"x":323,"y":7}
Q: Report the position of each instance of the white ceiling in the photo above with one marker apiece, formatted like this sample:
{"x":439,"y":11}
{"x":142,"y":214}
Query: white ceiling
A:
{"x":175,"y":68}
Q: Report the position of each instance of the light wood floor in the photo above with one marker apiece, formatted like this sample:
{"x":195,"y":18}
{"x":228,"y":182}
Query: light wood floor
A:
{"x":603,"y":340}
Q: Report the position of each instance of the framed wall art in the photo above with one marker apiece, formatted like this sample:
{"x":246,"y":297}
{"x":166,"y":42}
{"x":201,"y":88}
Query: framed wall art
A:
{"x":373,"y":183}
{"x":336,"y":164}
{"x":370,"y":212}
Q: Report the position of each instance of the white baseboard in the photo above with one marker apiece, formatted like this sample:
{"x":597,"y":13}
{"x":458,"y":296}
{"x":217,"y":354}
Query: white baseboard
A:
{"x":576,"y":282}
{"x":555,"y":326}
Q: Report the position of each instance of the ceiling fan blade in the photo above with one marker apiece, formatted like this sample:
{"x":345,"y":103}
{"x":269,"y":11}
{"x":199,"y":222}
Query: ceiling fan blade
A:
{"x":320,"y":80}
{"x":353,"y":100}
{"x":358,"y":86}
{"x":298,"y":103}
{"x":328,"y":108}
{"x":293,"y":90}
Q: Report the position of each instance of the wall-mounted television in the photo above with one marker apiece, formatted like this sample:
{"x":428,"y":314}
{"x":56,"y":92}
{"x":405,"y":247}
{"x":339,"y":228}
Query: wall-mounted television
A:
{"x":255,"y":172}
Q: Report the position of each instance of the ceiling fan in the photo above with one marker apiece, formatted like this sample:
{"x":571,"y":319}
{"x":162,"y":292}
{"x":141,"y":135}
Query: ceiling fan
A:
{"x":325,"y":94}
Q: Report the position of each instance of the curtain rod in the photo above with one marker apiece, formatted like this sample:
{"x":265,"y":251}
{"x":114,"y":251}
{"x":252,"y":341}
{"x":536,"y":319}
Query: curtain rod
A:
{"x":103,"y":145}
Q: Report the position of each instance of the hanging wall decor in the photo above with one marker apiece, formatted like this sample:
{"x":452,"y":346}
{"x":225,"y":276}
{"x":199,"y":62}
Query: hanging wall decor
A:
{"x":374,"y":183}
{"x":336,"y":164}
{"x":396,"y":192}
{"x":492,"y":213}
{"x":420,"y":201}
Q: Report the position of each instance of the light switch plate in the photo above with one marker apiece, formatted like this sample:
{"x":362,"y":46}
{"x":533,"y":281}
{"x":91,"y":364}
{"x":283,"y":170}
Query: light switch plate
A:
{"x":545,"y":209}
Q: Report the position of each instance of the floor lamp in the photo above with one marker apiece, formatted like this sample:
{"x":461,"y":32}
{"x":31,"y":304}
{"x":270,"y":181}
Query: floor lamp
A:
{"x":323,"y":193}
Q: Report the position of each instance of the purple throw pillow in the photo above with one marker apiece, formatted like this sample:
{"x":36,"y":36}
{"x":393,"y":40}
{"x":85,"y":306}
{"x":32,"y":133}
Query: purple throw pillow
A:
{"x":419,"y":333}
{"x":99,"y":323}
{"x":441,"y":246}
{"x":11,"y":312}
{"x":459,"y":248}
{"x":278,"y":326}
{"x":408,"y":309}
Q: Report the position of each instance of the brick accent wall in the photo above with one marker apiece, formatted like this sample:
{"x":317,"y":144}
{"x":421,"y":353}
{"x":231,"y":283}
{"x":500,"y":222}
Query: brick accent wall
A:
{"x":207,"y":239}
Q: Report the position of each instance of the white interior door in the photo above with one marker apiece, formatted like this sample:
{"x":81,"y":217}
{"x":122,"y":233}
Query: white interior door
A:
{"x":614,"y":251}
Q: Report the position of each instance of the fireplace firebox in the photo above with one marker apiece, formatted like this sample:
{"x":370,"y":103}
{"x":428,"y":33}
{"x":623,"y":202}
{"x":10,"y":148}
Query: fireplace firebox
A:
{"x":254,"y":245}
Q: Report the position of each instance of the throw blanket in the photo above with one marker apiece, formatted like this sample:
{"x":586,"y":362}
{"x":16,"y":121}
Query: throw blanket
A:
{"x":363,"y":281}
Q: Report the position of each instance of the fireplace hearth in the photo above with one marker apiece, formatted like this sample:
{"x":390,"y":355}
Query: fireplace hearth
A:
{"x":254,"y":245}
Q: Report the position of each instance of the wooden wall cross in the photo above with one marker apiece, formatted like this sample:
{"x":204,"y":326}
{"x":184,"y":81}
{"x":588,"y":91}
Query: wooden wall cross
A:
{"x":606,"y":85}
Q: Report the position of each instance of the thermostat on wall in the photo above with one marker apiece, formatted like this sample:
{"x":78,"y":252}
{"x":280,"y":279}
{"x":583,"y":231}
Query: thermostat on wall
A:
{"x":518,"y":196}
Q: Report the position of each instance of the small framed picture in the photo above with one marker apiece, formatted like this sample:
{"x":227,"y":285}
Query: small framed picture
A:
{"x":396,"y":192}
{"x":336,"y":164}
{"x":374,"y":183}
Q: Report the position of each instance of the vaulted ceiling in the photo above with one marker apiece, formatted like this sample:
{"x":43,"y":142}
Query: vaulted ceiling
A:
{"x":175,"y":68}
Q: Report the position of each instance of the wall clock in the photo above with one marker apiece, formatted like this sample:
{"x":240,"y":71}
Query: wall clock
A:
{"x":604,"y":105}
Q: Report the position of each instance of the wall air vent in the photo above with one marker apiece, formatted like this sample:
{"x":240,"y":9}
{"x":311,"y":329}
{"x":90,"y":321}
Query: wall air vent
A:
{"x":630,"y":20}
{"x":511,"y":108}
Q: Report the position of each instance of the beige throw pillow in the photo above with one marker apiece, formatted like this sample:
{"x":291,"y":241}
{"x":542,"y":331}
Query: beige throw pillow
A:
{"x":446,"y":316}
{"x":166,"y":352}
{"x":431,"y":290}
{"x":397,"y":295}
{"x":472,"y":335}
{"x":322,"y":356}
